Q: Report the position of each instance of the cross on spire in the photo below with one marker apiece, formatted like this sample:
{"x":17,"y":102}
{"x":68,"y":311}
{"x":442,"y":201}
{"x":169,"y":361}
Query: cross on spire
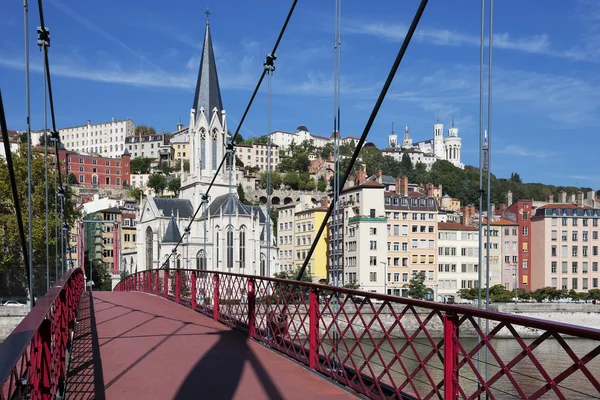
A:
{"x":392,"y":128}
{"x":207,"y":12}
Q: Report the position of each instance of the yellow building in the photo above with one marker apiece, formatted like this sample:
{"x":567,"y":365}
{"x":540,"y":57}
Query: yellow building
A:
{"x":180,"y":143}
{"x":307,"y":223}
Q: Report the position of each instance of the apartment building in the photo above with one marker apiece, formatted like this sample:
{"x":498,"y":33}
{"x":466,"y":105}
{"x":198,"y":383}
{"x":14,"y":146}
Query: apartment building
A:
{"x":255,"y":155}
{"x":494,"y":253}
{"x":521,"y":212}
{"x":145,"y":145}
{"x":458,"y":259}
{"x":565,"y":242}
{"x":307,"y":223}
{"x":180,"y":143}
{"x":93,"y":171}
{"x":285,"y":231}
{"x":510,"y":252}
{"x":411,"y":230}
{"x":363,"y":224}
{"x":106,"y":139}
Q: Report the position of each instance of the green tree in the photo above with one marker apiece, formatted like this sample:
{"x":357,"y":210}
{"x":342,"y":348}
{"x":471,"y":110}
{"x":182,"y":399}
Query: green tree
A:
{"x":157,"y":182}
{"x":241,"y":193}
{"x":326,"y":150}
{"x":72,"y":179}
{"x":301,"y":162}
{"x":165,"y":168}
{"x":322,"y":184}
{"x":135,"y":193}
{"x":310,"y":185}
{"x":13,"y":281}
{"x":291,"y":179}
{"x":140,"y":165}
{"x":276,"y":180}
{"x":175,"y":186}
{"x":286,"y":164}
{"x":144,"y":130}
{"x":417,"y":288}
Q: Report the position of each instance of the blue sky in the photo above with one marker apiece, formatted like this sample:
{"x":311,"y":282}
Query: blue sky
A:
{"x":136,"y":60}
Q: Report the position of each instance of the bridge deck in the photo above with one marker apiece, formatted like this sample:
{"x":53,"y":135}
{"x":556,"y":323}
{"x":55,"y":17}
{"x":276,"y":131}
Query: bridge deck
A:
{"x":133,"y":345}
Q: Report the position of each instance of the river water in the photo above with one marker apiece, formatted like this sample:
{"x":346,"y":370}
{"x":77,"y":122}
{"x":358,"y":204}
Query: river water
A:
{"x":549,"y":354}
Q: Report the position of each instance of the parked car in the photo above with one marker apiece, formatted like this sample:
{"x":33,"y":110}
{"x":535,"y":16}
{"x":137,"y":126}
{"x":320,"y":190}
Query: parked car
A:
{"x":13,"y":303}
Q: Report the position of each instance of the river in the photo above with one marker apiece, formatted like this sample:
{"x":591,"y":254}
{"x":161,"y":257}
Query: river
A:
{"x":549,"y":353}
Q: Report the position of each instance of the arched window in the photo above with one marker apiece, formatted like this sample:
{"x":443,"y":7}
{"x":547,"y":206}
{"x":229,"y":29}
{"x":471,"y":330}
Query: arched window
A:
{"x":214,"y":149}
{"x":178,"y":264}
{"x":263,"y":265}
{"x":229,"y":247}
{"x":202,"y":148}
{"x":217,"y":248}
{"x":201,"y":260}
{"x":242,"y":248}
{"x":149,"y":248}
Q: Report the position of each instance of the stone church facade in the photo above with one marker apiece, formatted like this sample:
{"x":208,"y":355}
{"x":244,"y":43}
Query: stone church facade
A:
{"x":225,"y":235}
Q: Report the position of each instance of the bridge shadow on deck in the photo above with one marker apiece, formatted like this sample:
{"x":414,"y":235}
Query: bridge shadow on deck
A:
{"x":151,"y":348}
{"x":84,"y":377}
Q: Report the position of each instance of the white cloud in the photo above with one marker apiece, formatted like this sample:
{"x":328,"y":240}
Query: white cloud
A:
{"x":536,"y":44}
{"x":520,"y":151}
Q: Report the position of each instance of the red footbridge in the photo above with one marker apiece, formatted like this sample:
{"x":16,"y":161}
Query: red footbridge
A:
{"x":182,"y":334}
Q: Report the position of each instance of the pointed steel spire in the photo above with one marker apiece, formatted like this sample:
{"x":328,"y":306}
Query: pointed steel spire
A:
{"x":172,"y":234}
{"x":453,"y":120}
{"x":208,"y":93}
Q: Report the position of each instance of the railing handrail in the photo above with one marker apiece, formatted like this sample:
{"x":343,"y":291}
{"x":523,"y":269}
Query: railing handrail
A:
{"x":19,"y":339}
{"x":567,"y":329}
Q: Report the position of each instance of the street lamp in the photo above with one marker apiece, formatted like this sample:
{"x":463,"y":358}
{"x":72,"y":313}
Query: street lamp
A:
{"x":385,"y":277}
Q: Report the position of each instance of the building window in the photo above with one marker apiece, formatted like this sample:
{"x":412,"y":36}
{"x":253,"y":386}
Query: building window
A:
{"x":373,"y":276}
{"x":373,"y":260}
{"x":81,"y":179}
{"x":242,"y":248}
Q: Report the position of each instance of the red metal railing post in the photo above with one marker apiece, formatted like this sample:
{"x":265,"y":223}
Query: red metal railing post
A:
{"x":156,"y":278}
{"x":313,"y":331}
{"x":193,"y":294}
{"x":166,"y":284}
{"x":450,"y":357}
{"x":216,"y":297}
{"x":251,"y":308}
{"x":177,"y":285}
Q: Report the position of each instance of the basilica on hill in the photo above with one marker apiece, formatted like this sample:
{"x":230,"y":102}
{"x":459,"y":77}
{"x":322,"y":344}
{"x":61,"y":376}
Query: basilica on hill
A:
{"x":226,"y":235}
{"x":427,"y":151}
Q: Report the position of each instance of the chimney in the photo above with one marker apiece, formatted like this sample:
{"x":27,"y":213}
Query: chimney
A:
{"x":379,"y":176}
{"x":350,"y":181}
{"x":361,"y":177}
{"x":580,"y":199}
{"x":430,"y":189}
{"x":573,"y":198}
{"x":501,"y":207}
{"x":562,"y":197}
{"x":403,"y":186}
{"x":492,"y":212}
{"x":591,"y":195}
{"x":509,"y":198}
{"x":466,"y":212}
{"x":550,"y":198}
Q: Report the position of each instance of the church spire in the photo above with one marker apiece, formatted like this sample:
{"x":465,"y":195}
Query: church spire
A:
{"x":208,"y":93}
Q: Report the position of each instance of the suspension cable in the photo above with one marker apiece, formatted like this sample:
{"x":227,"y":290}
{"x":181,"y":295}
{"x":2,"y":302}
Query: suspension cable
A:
{"x":45,"y":43}
{"x":270,"y":69}
{"x":29,"y":188}
{"x":336,"y":143}
{"x":44,"y":37}
{"x":384,"y":90}
{"x":13,"y":186}
{"x":270,"y":59}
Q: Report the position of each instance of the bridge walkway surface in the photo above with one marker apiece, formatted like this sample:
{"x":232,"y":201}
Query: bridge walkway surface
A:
{"x":135,"y":345}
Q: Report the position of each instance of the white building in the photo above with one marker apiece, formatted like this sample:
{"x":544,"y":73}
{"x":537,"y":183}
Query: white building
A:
{"x":256,"y":155}
{"x":145,"y":145}
{"x":106,"y":139}
{"x":458,"y":259}
{"x":427,"y":151}
{"x":285,"y":139}
{"x":226,"y":235}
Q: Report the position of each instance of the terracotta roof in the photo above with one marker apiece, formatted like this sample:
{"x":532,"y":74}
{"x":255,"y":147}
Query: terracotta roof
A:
{"x":366,"y":184}
{"x":501,"y":221}
{"x":562,"y":206}
{"x":453,"y":226}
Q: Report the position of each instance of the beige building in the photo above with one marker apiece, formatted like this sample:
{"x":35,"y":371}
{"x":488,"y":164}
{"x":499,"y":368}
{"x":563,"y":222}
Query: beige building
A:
{"x":180,"y":143}
{"x":363,"y":254}
{"x":285,"y":233}
{"x":458,"y":259}
{"x":106,"y":139}
{"x":564,"y":247}
{"x":255,"y":155}
{"x":411,"y":237}
{"x":450,"y":203}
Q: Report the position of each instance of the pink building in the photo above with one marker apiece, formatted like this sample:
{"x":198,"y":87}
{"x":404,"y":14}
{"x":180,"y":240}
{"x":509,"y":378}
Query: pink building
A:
{"x":565,"y":240}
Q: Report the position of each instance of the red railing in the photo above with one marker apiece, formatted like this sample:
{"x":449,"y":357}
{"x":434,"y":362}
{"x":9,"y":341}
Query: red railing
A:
{"x":390,"y":347}
{"x":33,"y":359}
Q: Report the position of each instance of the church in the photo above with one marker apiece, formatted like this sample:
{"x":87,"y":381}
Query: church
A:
{"x":225,"y":235}
{"x":427,"y":151}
